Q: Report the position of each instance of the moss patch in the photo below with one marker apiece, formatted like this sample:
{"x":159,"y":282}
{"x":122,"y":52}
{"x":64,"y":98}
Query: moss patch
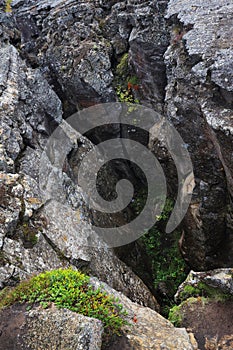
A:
{"x":68,"y":288}
{"x":203,"y":290}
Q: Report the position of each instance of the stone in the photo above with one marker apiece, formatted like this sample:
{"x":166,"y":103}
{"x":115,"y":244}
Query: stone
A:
{"x":147,"y":329}
{"x":57,"y":328}
{"x":31,"y":239}
{"x":199,"y":104}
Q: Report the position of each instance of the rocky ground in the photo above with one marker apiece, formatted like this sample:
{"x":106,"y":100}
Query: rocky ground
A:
{"x":61,"y":56}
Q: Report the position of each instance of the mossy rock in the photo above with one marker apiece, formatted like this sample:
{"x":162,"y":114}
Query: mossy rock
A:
{"x":177,"y":312}
{"x":203,"y":290}
{"x":68,"y":288}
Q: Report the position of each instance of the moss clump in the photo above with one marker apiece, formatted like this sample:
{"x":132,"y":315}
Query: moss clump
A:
{"x":189,"y":291}
{"x":213,"y":293}
{"x":175,"y":315}
{"x":203,"y":290}
{"x":125,"y":95}
{"x":126,"y":84}
{"x":67,"y":288}
{"x":122,"y":69}
{"x":168,"y":267}
{"x":167,"y":262}
{"x":8,"y":8}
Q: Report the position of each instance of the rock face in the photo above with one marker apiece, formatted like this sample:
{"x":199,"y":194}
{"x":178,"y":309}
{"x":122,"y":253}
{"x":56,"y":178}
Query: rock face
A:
{"x":199,"y":103}
{"x":59,"y":56}
{"x":54,"y":328}
{"x":147,"y":330}
{"x":31,"y":240}
{"x":221,"y":280}
{"x":70,"y":53}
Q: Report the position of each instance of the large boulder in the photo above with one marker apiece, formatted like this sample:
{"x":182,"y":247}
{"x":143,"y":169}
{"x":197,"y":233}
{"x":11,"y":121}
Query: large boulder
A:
{"x":54,"y":328}
{"x":206,"y":301}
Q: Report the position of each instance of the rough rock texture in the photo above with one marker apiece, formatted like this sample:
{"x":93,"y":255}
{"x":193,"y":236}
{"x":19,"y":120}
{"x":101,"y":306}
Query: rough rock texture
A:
{"x":76,"y":47}
{"x":148,"y":330}
{"x":210,"y":322}
{"x":199,"y":103}
{"x":220,"y":279}
{"x":31,"y":239}
{"x":53,"y":328}
{"x":207,"y":307}
{"x":59,"y":56}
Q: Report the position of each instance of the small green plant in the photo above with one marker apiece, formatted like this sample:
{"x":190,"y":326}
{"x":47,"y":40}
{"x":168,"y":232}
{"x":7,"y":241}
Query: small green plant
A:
{"x":8,"y":8}
{"x":189,"y":291}
{"x":122,"y":69}
{"x":68,"y":288}
{"x":125,"y":95}
{"x":175,"y":315}
{"x":126,"y":84}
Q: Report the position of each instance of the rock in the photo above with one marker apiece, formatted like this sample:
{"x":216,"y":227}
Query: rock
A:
{"x":56,"y":328}
{"x":148,"y":329}
{"x":220,"y":280}
{"x":63,"y":329}
{"x":62,"y":58}
{"x":76,"y":63}
{"x":199,"y":104}
{"x":206,"y":307}
{"x":209,"y":320}
{"x":36,"y":234}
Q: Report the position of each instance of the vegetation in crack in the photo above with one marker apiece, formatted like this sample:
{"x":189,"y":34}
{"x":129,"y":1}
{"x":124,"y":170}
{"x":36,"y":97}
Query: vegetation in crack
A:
{"x":68,"y":288}
{"x":168,"y":268}
{"x":126,"y":83}
{"x":8,"y":8}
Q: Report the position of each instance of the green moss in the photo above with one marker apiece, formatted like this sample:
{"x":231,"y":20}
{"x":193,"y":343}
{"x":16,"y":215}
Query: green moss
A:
{"x":168,"y":264}
{"x":203,"y":290}
{"x":122,"y":69}
{"x":168,"y":267}
{"x":68,"y":288}
{"x":4,"y":292}
{"x":125,"y":95}
{"x":133,"y":80}
{"x":213,"y":293}
{"x":8,"y":8}
{"x":189,"y":291}
{"x":125,"y":83}
{"x":175,"y":315}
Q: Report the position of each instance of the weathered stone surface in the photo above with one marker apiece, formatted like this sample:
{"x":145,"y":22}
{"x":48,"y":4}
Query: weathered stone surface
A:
{"x":35,"y":234}
{"x":220,"y":279}
{"x":147,"y":330}
{"x":53,"y":328}
{"x":209,"y":320}
{"x":199,"y":104}
{"x":63,"y":329}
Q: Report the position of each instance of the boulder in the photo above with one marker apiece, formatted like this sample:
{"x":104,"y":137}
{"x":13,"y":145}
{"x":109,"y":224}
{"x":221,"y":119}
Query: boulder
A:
{"x":53,"y":328}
